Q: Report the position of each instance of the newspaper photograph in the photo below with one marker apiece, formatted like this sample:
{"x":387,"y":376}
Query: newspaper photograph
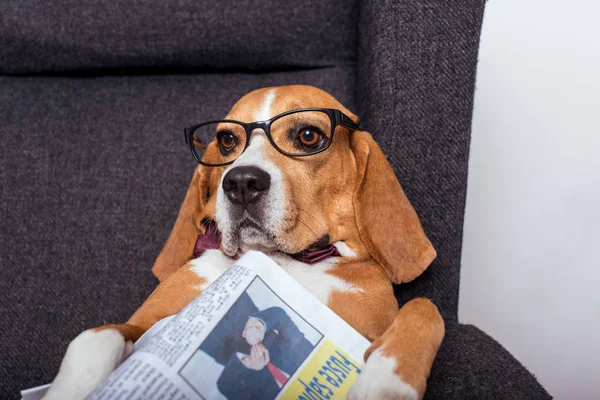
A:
{"x":255,"y":333}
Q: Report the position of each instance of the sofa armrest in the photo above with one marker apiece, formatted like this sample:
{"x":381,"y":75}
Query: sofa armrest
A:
{"x":470,"y":364}
{"x":416,"y":79}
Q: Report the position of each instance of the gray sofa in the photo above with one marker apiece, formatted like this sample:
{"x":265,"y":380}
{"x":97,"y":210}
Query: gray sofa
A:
{"x":94,"y":97}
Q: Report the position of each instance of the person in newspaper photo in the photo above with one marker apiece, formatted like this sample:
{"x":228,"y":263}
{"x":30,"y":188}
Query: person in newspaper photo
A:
{"x":259,"y":349}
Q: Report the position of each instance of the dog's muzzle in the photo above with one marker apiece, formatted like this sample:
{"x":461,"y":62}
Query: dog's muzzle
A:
{"x":245,"y":185}
{"x":246,"y":208}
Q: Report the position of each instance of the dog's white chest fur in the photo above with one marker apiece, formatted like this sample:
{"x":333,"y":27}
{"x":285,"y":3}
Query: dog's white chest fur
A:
{"x":313,"y":277}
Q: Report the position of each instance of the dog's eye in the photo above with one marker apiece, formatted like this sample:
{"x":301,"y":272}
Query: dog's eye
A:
{"x":309,"y":137}
{"x":226,"y":141}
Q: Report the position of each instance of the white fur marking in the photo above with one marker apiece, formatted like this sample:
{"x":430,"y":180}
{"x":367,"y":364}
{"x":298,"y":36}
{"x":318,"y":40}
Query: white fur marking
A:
{"x":378,"y":381}
{"x":314,"y":277}
{"x":210,"y":266}
{"x":91,"y":357}
{"x":264,"y":112}
{"x":344,"y":250}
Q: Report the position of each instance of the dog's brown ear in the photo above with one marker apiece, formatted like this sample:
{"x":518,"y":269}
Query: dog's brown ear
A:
{"x":387,"y":223}
{"x":179,"y":247}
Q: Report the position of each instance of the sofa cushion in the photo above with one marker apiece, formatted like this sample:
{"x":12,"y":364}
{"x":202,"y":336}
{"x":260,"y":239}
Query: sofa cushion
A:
{"x":67,"y":35}
{"x":92,"y":174}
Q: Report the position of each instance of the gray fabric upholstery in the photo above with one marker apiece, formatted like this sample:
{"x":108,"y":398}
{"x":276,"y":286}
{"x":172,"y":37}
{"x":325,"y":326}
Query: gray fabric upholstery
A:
{"x":66,"y":35}
{"x":472,"y":365}
{"x":94,"y":166}
{"x":417,"y":78}
{"x":93,"y":173}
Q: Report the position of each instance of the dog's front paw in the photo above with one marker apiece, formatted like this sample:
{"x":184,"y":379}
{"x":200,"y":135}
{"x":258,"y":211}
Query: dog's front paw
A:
{"x":90,"y":358}
{"x":378,"y":381}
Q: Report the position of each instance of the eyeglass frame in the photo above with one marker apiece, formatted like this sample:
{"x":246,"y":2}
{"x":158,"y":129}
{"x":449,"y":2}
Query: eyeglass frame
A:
{"x":337,"y":118}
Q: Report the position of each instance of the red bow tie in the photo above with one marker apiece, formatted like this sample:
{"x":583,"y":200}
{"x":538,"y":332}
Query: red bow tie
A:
{"x":212,"y":238}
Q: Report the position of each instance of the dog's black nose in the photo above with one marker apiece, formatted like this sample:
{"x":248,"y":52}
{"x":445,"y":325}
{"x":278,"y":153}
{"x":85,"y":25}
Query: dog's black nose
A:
{"x":244,"y":185}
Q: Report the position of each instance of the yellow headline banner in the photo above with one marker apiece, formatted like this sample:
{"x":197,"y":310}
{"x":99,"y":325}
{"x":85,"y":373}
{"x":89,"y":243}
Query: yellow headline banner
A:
{"x":329,"y":374}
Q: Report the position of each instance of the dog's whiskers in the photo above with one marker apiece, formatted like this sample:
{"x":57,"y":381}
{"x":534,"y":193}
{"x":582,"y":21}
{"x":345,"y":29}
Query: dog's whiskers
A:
{"x":308,"y":227}
{"x":312,"y":216}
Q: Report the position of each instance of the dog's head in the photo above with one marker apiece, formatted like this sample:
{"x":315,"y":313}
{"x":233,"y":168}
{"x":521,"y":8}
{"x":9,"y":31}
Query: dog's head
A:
{"x":270,"y":201}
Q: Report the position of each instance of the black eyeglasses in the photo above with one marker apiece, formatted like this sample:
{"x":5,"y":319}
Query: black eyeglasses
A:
{"x":295,"y":133}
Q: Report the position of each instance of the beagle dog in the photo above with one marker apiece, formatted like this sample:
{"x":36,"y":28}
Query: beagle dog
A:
{"x":280,"y":178}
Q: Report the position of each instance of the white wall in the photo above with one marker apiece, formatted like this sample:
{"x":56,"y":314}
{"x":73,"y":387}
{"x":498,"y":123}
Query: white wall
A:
{"x":531,"y":252}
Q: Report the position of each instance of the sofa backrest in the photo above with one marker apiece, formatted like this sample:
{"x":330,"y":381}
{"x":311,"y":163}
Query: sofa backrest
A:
{"x":73,"y":35}
{"x":413,"y":64}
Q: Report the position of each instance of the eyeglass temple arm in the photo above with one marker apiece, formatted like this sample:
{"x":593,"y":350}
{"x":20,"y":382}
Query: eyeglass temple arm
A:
{"x":346,"y":121}
{"x":186,"y":133}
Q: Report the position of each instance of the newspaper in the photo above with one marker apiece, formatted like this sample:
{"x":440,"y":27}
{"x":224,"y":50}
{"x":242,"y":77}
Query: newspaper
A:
{"x":255,"y":333}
